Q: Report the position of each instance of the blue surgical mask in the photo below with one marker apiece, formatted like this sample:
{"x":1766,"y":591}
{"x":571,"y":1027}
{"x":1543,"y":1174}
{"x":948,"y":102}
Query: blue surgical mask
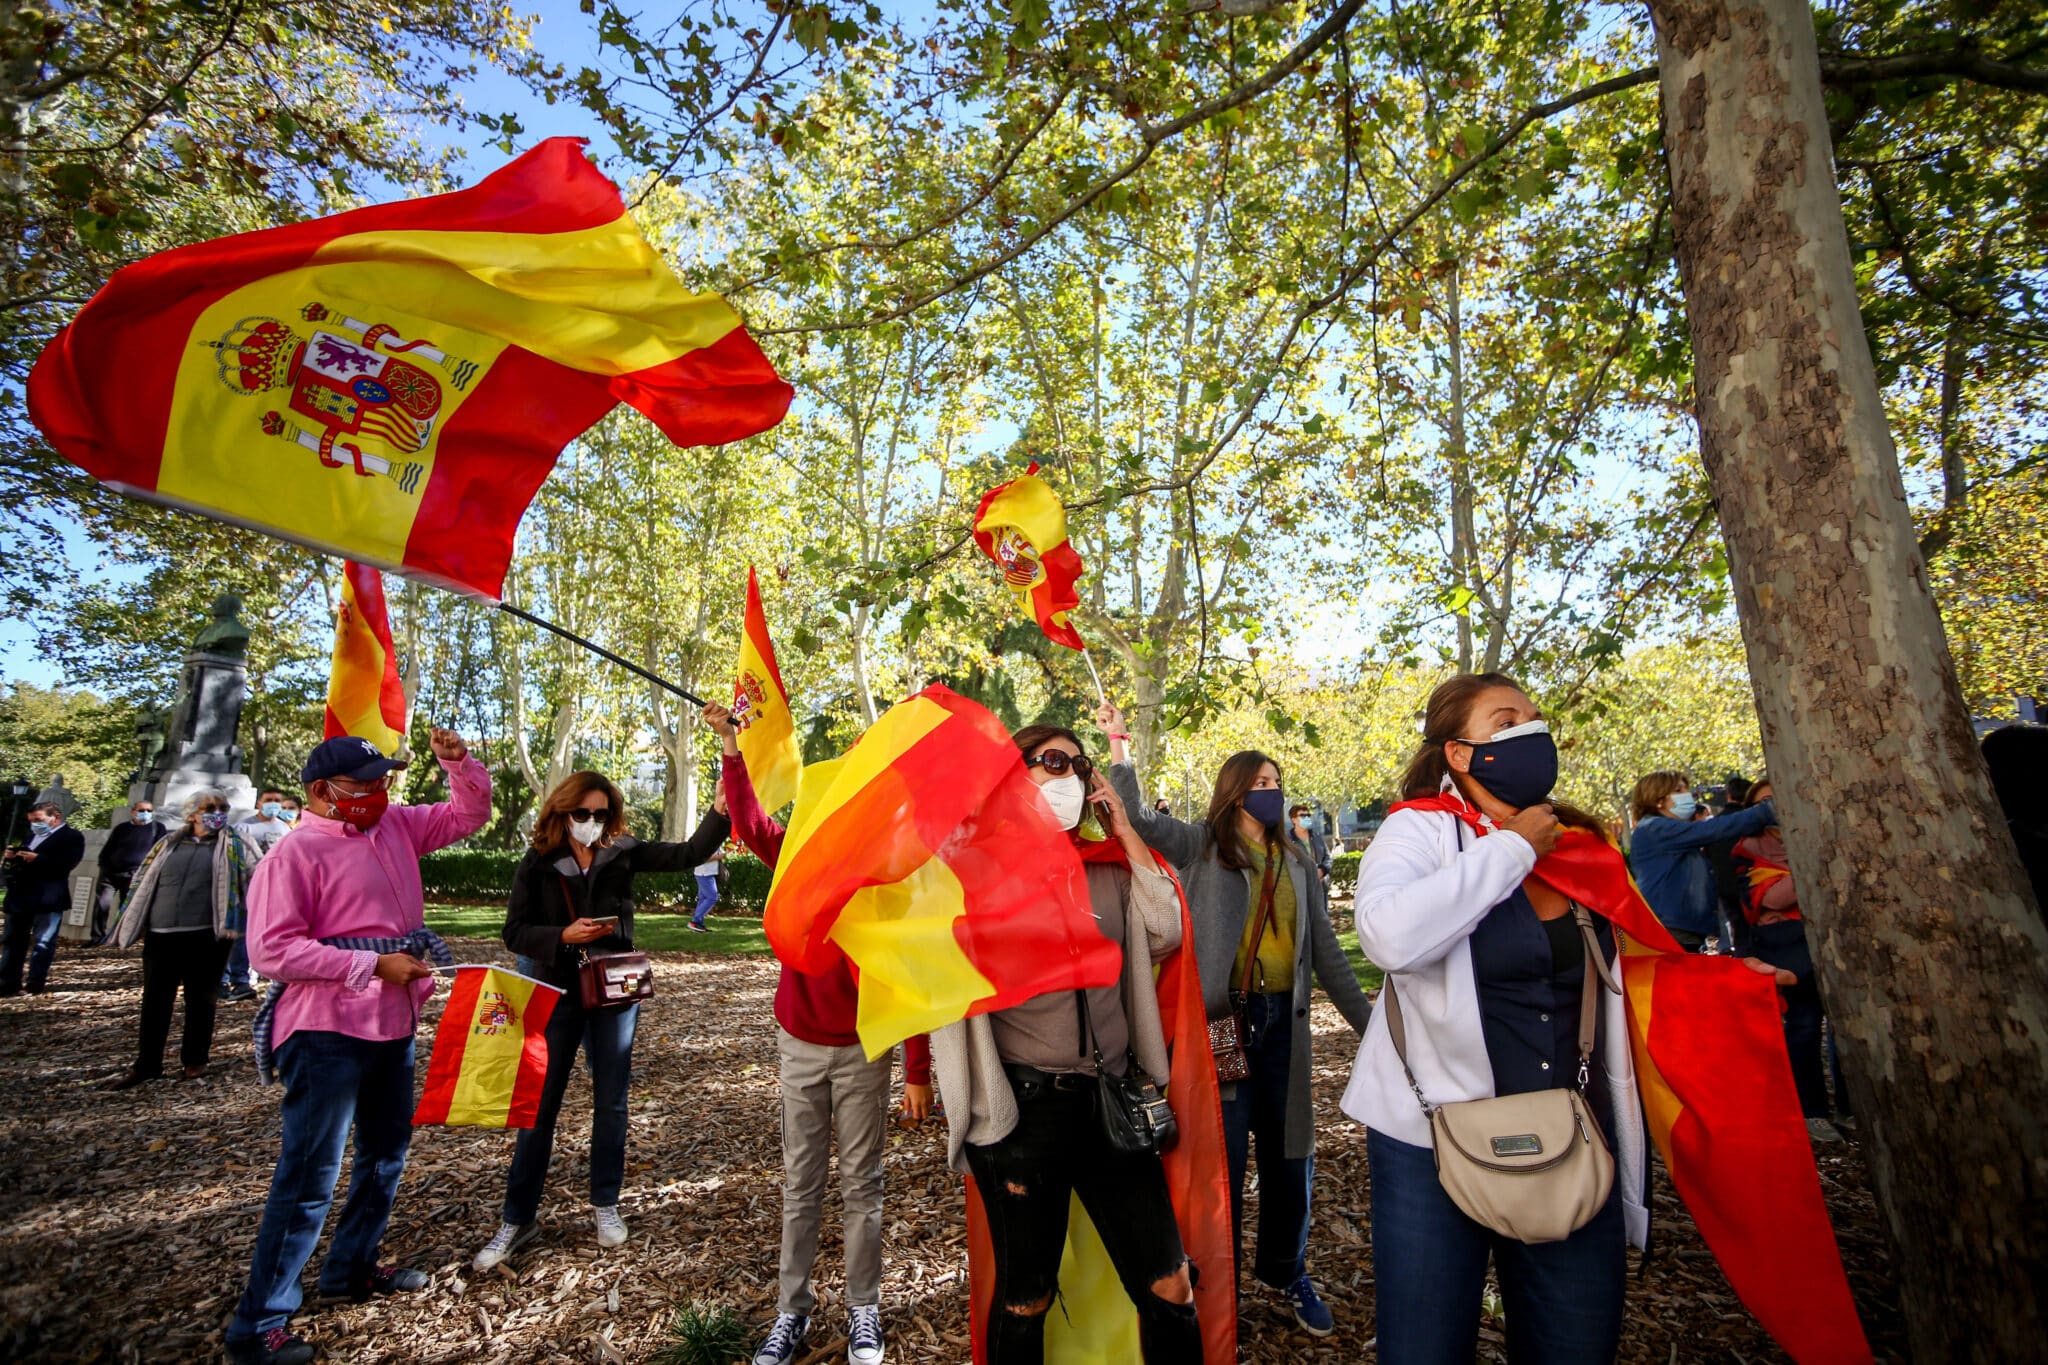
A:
{"x":272,"y":809}
{"x":1518,"y":765}
{"x":1683,"y":805}
{"x":1267,"y":805}
{"x":142,"y":817}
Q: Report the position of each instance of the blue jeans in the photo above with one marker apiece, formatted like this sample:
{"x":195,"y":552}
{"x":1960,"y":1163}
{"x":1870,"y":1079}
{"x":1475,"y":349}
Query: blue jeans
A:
{"x":1563,"y":1300}
{"x":707,"y":896}
{"x":606,"y":1037}
{"x":1258,"y":1110}
{"x":236,"y":977}
{"x":331,"y":1080}
{"x":31,"y":940}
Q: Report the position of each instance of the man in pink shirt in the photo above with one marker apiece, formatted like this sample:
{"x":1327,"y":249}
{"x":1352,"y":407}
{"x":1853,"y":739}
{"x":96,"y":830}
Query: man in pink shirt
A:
{"x":337,"y":924}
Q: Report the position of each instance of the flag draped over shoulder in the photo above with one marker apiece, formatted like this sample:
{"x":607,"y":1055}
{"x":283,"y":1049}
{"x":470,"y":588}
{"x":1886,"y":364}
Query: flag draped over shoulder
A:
{"x":760,"y":708}
{"x":490,"y":1052}
{"x":1100,"y":1324}
{"x":1716,"y":1084}
{"x":1023,"y":528}
{"x":924,"y":857}
{"x":393,"y":384}
{"x":364,"y":695}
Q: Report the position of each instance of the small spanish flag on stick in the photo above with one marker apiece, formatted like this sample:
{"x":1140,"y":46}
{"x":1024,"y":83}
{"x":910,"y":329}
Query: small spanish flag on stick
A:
{"x":365,"y":697}
{"x":1023,"y":528}
{"x":760,"y":708}
{"x":490,"y":1052}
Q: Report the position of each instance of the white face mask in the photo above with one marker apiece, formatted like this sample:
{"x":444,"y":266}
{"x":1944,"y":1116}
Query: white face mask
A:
{"x":586,"y":831}
{"x":1068,"y":798}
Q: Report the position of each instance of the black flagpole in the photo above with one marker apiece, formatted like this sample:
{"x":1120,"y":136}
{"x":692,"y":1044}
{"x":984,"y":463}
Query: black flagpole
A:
{"x":599,"y":650}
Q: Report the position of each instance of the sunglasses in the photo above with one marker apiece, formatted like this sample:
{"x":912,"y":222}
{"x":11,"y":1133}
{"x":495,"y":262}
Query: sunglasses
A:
{"x":1059,"y":763}
{"x":584,"y":816}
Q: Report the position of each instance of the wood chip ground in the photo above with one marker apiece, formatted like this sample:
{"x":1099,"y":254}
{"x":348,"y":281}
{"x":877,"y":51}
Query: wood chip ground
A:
{"x":126,"y":1219}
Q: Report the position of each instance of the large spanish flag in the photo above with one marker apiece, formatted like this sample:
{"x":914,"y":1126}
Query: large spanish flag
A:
{"x":1717,"y":1090}
{"x":490,"y":1052}
{"x":394,"y":384}
{"x":365,"y":697}
{"x":926,"y":858}
{"x":1023,"y":528}
{"x":1100,"y":1324}
{"x":760,"y":708}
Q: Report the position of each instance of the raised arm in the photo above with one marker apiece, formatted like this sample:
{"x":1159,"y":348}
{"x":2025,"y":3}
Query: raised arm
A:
{"x":751,"y":825}
{"x":468,"y":807}
{"x":1736,"y":824}
{"x":701,"y":847}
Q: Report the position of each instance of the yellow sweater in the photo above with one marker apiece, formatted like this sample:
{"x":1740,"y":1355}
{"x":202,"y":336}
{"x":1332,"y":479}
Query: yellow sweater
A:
{"x":1275,"y":972}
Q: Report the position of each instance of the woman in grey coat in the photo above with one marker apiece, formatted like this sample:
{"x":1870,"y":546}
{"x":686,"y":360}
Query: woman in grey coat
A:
{"x":1242,"y":871}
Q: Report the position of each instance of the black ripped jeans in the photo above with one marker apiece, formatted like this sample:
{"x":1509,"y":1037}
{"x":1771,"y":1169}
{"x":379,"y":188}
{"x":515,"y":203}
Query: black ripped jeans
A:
{"x":1058,"y":1149}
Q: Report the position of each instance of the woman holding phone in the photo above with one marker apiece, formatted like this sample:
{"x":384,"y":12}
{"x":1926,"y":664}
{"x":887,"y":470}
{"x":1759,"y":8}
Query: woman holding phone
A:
{"x":572,"y":894}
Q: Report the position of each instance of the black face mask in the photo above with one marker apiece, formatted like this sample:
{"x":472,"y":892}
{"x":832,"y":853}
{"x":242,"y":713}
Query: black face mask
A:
{"x":1520,"y":768}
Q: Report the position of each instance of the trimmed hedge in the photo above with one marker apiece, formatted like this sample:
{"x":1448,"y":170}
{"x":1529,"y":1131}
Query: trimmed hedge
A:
{"x":1344,"y":870}
{"x":485,"y":874}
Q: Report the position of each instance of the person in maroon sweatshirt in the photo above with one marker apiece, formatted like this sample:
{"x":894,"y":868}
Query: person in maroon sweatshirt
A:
{"x":827,"y":1083}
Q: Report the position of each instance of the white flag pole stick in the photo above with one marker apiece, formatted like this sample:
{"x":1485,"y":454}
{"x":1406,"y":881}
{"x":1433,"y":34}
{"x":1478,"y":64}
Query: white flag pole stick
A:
{"x":1100,"y":694}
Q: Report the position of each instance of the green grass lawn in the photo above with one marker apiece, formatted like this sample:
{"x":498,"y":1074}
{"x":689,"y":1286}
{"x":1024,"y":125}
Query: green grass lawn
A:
{"x":651,"y":933}
{"x":1368,"y":975}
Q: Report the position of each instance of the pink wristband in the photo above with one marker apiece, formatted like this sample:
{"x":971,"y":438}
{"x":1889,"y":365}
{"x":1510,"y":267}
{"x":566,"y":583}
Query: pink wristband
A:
{"x":1125,"y":738}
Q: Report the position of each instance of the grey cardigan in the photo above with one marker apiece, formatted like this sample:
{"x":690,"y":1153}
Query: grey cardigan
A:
{"x":1219,"y":901}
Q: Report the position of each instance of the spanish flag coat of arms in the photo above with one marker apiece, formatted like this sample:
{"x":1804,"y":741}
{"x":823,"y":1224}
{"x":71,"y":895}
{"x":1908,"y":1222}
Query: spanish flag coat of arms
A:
{"x":393,"y":385}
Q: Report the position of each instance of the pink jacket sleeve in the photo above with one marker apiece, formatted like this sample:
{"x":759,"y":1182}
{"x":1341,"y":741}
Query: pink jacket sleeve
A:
{"x":750,"y":824}
{"x":282,"y":945}
{"x":467,"y":809}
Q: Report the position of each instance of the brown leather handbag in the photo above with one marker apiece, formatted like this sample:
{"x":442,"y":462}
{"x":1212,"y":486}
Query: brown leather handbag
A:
{"x":1227,"y":1035}
{"x":609,"y":980}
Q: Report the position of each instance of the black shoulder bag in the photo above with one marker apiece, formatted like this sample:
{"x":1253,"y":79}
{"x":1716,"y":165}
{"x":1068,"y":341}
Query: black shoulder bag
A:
{"x":1135,"y":1116}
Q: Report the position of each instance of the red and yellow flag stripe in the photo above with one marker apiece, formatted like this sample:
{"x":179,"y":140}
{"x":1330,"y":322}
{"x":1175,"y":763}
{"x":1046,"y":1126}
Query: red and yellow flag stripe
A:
{"x":760,"y":709}
{"x":924,"y":856}
{"x":393,"y":384}
{"x":490,"y":1051}
{"x":1022,"y":526}
{"x":365,"y":696}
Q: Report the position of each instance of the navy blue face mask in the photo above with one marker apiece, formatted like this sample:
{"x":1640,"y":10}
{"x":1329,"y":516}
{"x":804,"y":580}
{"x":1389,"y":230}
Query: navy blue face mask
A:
{"x":1267,"y":805}
{"x":1518,"y":765}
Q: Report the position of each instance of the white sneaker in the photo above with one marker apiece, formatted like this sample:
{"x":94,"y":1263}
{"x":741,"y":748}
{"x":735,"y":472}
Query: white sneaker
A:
{"x":511,"y":1237}
{"x":611,"y":1229}
{"x":864,"y":1336}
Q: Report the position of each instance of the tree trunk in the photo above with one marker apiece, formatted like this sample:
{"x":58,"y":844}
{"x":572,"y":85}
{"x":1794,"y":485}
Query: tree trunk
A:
{"x":1929,"y":948}
{"x":1462,"y":574}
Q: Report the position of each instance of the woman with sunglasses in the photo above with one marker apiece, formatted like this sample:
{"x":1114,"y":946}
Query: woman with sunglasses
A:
{"x":1262,"y":925}
{"x":573,"y":894}
{"x":1020,"y":1089}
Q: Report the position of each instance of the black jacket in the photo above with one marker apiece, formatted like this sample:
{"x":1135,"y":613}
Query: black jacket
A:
{"x":38,"y":888}
{"x":549,"y":890}
{"x":125,"y":847}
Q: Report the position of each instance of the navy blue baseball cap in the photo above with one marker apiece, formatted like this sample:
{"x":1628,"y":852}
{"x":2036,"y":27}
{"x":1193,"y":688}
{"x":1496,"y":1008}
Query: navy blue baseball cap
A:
{"x":347,"y":756}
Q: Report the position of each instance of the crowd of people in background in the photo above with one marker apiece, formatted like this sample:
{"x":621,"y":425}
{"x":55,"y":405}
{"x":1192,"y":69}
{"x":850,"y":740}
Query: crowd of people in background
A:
{"x":1484,"y":967}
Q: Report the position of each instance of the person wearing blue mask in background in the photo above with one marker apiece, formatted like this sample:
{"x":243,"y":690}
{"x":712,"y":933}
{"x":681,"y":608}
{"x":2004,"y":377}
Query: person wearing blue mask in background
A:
{"x":1668,"y":853}
{"x":1261,"y":922}
{"x":260,"y":832}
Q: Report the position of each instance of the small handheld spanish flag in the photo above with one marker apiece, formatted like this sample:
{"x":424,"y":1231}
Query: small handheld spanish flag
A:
{"x":1023,"y":528}
{"x":365,"y":697}
{"x":760,"y":708}
{"x":490,"y":1052}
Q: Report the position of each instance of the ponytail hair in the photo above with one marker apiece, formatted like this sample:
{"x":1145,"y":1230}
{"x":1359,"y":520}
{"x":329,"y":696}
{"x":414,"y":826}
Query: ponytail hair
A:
{"x":1443,"y":720}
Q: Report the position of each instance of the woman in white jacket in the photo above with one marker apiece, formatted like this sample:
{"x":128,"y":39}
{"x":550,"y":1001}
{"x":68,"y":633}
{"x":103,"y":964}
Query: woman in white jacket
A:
{"x":1488,"y":967}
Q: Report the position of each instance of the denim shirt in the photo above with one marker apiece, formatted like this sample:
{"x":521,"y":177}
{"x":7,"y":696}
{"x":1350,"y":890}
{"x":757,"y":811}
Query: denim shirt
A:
{"x":1669,"y":860}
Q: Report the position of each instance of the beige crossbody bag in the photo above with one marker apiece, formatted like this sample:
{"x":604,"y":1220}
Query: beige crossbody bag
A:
{"x":1533,"y":1167}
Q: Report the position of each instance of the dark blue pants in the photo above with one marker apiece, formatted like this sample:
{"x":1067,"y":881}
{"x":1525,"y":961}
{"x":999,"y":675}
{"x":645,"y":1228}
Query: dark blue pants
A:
{"x":1258,"y":1110}
{"x":1563,"y":1300}
{"x":331,"y":1081}
{"x":606,"y":1037}
{"x":707,"y":897}
{"x":31,"y":940}
{"x":236,"y":976}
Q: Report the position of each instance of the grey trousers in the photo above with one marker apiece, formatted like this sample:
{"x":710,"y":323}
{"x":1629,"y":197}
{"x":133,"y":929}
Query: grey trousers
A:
{"x":826,"y":1089}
